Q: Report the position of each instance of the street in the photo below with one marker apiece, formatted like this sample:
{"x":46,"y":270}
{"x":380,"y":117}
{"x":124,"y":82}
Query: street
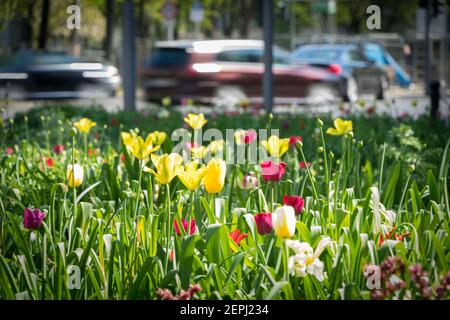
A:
{"x":399,"y":102}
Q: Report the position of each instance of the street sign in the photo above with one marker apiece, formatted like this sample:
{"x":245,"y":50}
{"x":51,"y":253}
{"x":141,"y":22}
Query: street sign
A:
{"x":169,"y":11}
{"x":197,"y":13}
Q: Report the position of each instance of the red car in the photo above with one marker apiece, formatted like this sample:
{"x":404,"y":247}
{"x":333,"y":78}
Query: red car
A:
{"x":226,"y":71}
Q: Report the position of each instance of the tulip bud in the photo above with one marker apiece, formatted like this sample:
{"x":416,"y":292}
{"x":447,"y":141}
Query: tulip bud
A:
{"x":271,"y":116}
{"x":331,"y":155}
{"x":75,"y":176}
{"x":299,"y":144}
{"x":360,"y":144}
{"x":319,"y":123}
{"x":264,"y":223}
{"x":349,"y":135}
{"x":25,"y":118}
{"x":319,"y":149}
{"x":411,"y":168}
{"x":73,"y":132}
{"x":283,"y":221}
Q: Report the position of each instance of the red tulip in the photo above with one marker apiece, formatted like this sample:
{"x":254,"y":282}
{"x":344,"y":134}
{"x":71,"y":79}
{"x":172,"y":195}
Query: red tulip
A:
{"x":32,"y":219}
{"x":293,"y":140}
{"x":296,"y":202}
{"x":264,"y":222}
{"x":114,"y":122}
{"x":249,"y":136}
{"x":9,"y":151}
{"x":237,"y":236}
{"x":58,"y":148}
{"x":272,"y":171}
{"x":49,"y":162}
{"x":388,"y":236}
{"x":185,"y":226}
{"x":304,"y":164}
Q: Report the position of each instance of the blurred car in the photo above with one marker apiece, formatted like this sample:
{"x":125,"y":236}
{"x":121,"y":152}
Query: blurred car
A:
{"x":361,"y":75}
{"x":382,"y":58}
{"x":226,"y":71}
{"x":45,"y":75}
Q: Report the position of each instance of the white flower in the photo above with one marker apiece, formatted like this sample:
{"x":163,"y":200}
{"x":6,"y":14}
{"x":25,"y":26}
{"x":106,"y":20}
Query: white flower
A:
{"x":306,"y":260}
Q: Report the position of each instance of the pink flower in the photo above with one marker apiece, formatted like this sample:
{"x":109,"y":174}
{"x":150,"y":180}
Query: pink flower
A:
{"x":58,"y":148}
{"x":185,"y":226}
{"x":32,"y":219}
{"x":249,"y":181}
{"x":293,"y":140}
{"x":272,"y":171}
{"x":249,"y":136}
{"x":296,"y":202}
{"x":9,"y":151}
{"x":264,"y":222}
{"x":237,"y":236}
{"x":190,"y":145}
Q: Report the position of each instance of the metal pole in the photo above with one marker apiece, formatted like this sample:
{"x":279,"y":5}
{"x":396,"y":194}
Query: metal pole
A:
{"x":268,"y":58}
{"x":427,"y":47}
{"x":129,"y":56}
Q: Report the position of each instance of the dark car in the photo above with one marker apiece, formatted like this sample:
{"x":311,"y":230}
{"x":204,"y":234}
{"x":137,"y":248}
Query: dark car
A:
{"x":215,"y":70}
{"x":44,"y":75}
{"x":361,"y":75}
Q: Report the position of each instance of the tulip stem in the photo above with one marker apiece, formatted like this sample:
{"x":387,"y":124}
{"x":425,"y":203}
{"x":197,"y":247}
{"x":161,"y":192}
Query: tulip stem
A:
{"x":168,"y":227}
{"x":285,"y":260}
{"x":138,"y":197}
{"x":325,"y":161}
{"x":190,"y":210}
{"x":309,"y":175}
{"x":72,"y":175}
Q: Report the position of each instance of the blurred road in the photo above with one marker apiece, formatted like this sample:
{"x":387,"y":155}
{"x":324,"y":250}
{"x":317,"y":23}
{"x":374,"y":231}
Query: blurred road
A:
{"x":398,"y":103}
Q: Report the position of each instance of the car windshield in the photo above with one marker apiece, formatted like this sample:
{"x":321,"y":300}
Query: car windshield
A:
{"x":26,"y":59}
{"x":327,"y":54}
{"x":169,"y":58}
{"x":280,"y":56}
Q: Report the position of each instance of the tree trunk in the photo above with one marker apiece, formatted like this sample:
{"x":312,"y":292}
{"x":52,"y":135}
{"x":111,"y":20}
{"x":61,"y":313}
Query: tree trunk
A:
{"x":43,"y":29}
{"x":28,"y":32}
{"x":107,"y":43}
{"x":246,"y":7}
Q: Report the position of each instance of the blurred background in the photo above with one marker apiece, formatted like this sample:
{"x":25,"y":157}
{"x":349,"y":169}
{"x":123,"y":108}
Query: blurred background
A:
{"x":211,"y":53}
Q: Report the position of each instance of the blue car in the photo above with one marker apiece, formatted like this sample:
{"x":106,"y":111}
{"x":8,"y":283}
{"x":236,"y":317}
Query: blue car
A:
{"x":360,"y":75}
{"x":382,"y":58}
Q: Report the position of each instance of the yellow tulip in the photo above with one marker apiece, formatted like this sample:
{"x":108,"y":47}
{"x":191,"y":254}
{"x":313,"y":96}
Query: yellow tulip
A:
{"x":128,"y":137}
{"x":199,"y":152}
{"x":190,"y":176}
{"x":283,"y":221}
{"x":158,"y":137}
{"x":167,"y":167}
{"x":137,"y":146}
{"x":341,"y":127}
{"x":215,"y":146}
{"x":75,"y":176}
{"x":239,"y":136}
{"x":214,"y":178}
{"x":276,"y":146}
{"x":195,"y":121}
{"x":84,"y":125}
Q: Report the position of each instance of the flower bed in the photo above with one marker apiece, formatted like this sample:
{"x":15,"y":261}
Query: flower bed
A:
{"x":353,"y":208}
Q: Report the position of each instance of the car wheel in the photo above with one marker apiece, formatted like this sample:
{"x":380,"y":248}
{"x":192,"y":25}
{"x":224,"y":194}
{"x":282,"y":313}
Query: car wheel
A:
{"x":383,"y":86}
{"x":351,"y":90}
